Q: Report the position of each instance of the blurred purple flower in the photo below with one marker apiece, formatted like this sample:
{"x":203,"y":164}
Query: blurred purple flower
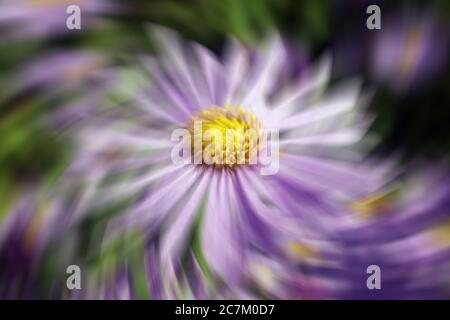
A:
{"x":24,"y":235}
{"x":238,"y":211}
{"x":404,"y":229}
{"x":410,"y":51}
{"x":42,"y":18}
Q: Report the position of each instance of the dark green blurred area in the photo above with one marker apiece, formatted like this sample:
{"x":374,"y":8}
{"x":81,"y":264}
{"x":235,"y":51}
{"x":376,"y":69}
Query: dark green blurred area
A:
{"x":413,"y":124}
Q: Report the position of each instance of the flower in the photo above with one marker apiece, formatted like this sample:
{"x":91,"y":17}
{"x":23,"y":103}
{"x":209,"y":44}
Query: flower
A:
{"x":25,"y":234}
{"x":238,"y":214}
{"x":403,"y":229}
{"x":42,"y":18}
{"x":410,"y":52}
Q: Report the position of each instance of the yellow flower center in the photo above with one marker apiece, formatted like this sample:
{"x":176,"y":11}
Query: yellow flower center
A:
{"x":229,"y":135}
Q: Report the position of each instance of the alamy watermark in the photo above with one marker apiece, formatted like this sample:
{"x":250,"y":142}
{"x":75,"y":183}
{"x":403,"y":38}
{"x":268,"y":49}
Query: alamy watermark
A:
{"x":73,"y":21}
{"x":374,"y":20}
{"x":74,"y":279}
{"x":374,"y":280}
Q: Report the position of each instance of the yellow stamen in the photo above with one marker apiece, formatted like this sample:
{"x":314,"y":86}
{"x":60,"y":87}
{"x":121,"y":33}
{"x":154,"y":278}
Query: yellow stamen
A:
{"x":230,"y":134}
{"x":373,"y":204}
{"x":301,"y":251}
{"x":440,"y":234}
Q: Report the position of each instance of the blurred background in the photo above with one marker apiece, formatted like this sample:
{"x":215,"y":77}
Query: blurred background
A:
{"x":44,"y":67}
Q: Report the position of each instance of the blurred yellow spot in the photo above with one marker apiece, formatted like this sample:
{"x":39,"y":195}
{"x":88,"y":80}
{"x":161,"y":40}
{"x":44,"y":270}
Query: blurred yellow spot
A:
{"x":79,"y":71}
{"x":373,"y":204}
{"x":301,"y":251}
{"x":263,"y":276}
{"x":411,"y":51}
{"x":32,"y":232}
{"x":233,"y":133}
{"x":441,"y":234}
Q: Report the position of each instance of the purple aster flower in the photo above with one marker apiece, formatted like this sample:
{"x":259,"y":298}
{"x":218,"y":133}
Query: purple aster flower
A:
{"x":410,"y":51}
{"x":403,"y":229}
{"x":41,"y":18}
{"x":61,"y":67}
{"x":76,"y":78}
{"x":61,"y":72}
{"x":239,"y":214}
{"x":25,"y":233}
